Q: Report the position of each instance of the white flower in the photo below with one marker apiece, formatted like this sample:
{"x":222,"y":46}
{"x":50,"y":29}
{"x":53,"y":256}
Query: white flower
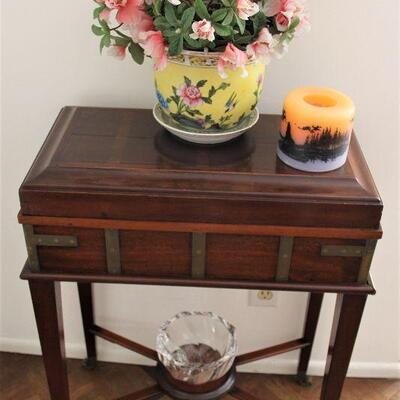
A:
{"x":246,"y":8}
{"x":262,"y":49}
{"x":280,"y":48}
{"x":203,"y":30}
{"x":175,"y":2}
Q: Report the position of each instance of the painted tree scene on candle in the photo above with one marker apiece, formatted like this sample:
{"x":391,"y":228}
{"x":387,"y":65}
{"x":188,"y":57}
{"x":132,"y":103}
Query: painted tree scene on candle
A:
{"x":312,"y":143}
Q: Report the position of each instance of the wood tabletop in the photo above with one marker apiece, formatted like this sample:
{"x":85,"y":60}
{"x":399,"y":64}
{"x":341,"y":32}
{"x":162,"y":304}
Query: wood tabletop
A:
{"x":135,"y":170}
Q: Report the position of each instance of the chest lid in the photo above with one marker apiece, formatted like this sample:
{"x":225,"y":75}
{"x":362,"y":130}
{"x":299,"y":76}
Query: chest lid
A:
{"x":120,"y":164}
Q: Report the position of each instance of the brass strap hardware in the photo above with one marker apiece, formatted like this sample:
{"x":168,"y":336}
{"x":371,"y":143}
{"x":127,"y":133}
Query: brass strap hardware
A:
{"x":284,"y":258}
{"x":342,"y":251}
{"x":34,"y":240}
{"x":198,"y":255}
{"x":369,"y":250}
{"x":113,"y":251}
{"x":365,"y":252}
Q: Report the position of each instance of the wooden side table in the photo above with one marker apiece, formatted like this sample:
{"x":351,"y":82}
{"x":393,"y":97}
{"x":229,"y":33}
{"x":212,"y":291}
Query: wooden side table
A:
{"x":113,"y":198}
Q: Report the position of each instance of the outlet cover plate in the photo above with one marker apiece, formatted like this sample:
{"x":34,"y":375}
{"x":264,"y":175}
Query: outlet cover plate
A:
{"x":256,"y":300}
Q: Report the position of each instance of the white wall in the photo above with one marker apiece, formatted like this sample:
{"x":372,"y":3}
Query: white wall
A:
{"x":50,"y":59}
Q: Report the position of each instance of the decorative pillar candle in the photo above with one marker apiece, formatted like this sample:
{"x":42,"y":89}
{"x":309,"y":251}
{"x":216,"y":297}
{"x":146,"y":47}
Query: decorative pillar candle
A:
{"x":315,"y":129}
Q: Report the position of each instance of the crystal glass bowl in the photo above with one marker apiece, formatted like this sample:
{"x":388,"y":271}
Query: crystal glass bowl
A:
{"x":197,"y":347}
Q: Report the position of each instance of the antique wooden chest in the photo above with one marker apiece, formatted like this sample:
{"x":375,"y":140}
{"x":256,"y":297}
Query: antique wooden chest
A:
{"x":111,"y":193}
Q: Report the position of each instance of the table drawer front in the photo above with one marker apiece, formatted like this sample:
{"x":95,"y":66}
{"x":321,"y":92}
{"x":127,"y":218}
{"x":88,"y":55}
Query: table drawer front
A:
{"x":88,"y":256}
{"x":212,"y":256}
{"x":241,"y":257}
{"x":308,"y":264}
{"x":164,"y":254}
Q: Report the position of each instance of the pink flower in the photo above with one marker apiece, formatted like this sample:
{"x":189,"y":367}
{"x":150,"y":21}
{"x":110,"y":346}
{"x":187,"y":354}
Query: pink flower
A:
{"x":115,"y":3}
{"x":154,"y":46}
{"x":105,"y":15}
{"x":191,"y":95}
{"x":142,"y":24}
{"x":246,"y":8}
{"x":128,"y":11}
{"x":203,"y":30}
{"x":284,"y":11}
{"x":117,"y":51}
{"x":232,"y":58}
{"x":282,"y":22}
{"x":262,"y":49}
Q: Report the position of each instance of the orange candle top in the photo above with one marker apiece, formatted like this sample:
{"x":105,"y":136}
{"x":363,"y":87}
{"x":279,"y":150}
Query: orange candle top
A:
{"x":314,"y":110}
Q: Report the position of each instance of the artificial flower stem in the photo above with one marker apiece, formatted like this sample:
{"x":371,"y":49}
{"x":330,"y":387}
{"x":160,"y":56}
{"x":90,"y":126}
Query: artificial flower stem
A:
{"x":116,"y":27}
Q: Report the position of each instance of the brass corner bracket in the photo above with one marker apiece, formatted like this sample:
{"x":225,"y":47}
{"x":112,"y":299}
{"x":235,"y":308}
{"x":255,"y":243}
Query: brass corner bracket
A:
{"x":34,"y":240}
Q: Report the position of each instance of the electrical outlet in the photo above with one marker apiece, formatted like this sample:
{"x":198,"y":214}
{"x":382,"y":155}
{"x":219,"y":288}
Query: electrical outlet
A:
{"x":262,"y":298}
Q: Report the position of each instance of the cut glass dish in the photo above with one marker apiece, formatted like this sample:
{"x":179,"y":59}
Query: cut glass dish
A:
{"x":197,"y":347}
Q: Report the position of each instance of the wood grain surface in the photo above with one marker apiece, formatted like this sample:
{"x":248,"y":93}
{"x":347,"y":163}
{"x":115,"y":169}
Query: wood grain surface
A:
{"x":120,"y":164}
{"x":22,"y":377}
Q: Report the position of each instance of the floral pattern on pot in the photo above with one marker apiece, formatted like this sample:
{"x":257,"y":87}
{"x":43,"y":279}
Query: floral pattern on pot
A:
{"x":196,"y":96}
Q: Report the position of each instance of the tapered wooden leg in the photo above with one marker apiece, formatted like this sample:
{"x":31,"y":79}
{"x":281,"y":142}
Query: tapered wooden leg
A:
{"x":87,"y":311}
{"x":46,"y":298}
{"x":310,"y":327}
{"x":348,"y":312}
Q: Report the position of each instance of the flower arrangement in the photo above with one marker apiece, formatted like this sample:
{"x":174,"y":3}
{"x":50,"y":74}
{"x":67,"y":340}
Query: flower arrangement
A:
{"x":239,"y":31}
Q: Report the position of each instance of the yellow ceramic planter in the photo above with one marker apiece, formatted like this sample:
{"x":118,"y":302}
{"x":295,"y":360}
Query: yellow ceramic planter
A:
{"x":193,"y":94}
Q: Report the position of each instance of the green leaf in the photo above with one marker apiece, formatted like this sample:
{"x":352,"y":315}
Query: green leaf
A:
{"x":229,"y":17}
{"x":222,"y":30}
{"x":240,"y":23}
{"x":175,"y":45}
{"x":105,"y":42}
{"x":97,"y":30}
{"x":97,"y":11}
{"x":294,"y":23}
{"x":219,"y":15}
{"x":201,"y":9}
{"x":245,"y":39}
{"x":188,"y":82}
{"x":170,"y":14}
{"x":212,"y":91}
{"x":119,"y":41}
{"x":207,"y":100}
{"x":259,"y":21}
{"x":201,"y":83}
{"x":104,"y":25}
{"x":195,"y":44}
{"x":180,"y":9}
{"x":136,"y":52}
{"x":187,"y":18}
{"x":226,"y":3}
{"x":157,"y":7}
{"x":169,"y":32}
{"x":161,"y":23}
{"x":224,"y":85}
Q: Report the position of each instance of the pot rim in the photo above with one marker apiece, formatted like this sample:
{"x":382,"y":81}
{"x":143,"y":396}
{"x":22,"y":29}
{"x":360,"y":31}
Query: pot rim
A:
{"x":210,"y":55}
